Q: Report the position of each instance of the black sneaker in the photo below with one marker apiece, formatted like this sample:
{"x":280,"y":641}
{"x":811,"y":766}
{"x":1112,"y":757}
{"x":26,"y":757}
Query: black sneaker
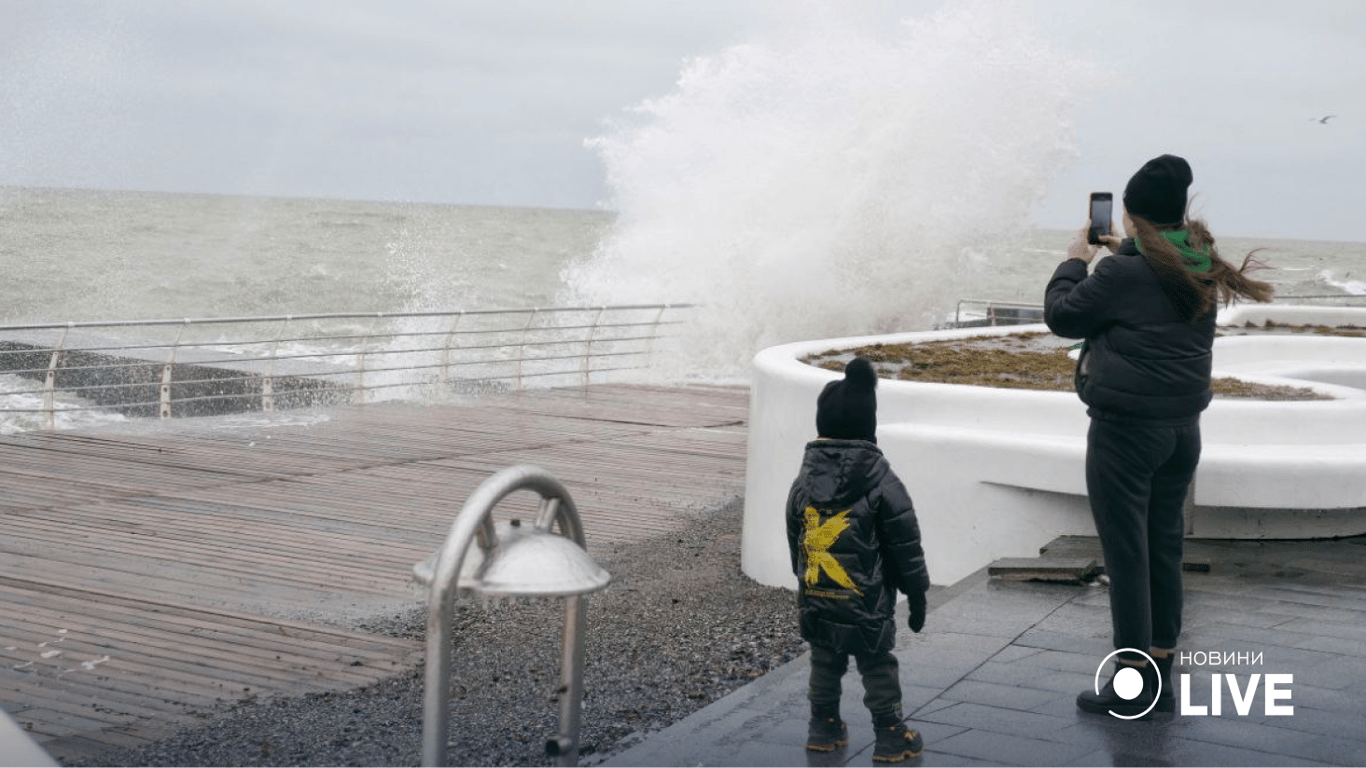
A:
{"x":896,"y":742}
{"x":824,"y":734}
{"x":1110,"y":702}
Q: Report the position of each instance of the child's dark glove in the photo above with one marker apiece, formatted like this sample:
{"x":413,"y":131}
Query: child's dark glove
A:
{"x":915,"y":611}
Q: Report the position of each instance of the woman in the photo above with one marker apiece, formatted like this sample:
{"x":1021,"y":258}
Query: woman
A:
{"x":1147,"y":316}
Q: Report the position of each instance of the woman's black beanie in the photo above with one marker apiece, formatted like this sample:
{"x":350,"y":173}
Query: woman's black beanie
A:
{"x":1158,"y":191}
{"x":847,"y":409}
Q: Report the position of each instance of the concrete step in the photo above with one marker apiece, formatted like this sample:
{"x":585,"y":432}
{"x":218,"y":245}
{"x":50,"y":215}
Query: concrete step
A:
{"x":1067,"y":570}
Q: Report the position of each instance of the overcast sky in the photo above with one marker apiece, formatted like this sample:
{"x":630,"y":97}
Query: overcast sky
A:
{"x":490,"y":101}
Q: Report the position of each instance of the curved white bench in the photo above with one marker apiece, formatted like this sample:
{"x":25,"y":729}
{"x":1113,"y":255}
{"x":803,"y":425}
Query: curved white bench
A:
{"x":999,"y":473}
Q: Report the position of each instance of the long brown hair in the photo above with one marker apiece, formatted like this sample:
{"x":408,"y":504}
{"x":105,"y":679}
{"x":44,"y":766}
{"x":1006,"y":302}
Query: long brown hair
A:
{"x":1194,"y":293}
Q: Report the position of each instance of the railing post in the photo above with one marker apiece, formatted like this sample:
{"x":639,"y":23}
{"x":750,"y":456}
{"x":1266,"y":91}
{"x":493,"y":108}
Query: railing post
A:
{"x":654,"y":334}
{"x":452,"y":341}
{"x":360,"y":361}
{"x":167,"y":369}
{"x":268,"y":379}
{"x":521,"y":346}
{"x":50,"y":383}
{"x":588,"y":349}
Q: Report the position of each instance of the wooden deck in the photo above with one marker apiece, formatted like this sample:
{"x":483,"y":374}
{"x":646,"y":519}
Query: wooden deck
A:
{"x":151,"y":571}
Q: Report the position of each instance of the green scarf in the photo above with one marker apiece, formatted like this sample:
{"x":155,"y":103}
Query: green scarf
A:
{"x":1195,"y":261}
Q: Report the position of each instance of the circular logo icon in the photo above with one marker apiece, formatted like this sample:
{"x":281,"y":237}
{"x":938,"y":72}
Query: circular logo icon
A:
{"x":1128,"y":682}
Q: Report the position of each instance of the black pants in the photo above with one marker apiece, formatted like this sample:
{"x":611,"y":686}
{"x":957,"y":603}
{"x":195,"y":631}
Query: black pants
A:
{"x":881,"y":680}
{"x":1137,"y":476}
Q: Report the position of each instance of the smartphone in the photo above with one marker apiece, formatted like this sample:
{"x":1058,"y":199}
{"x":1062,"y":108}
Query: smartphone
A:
{"x":1099,"y":222}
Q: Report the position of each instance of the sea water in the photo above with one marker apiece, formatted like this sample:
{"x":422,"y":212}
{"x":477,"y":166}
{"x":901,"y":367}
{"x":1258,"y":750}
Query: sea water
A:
{"x":82,"y":255}
{"x":76,"y":255}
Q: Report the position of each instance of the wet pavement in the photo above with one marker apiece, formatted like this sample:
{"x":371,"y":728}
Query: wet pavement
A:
{"x":993,"y":678}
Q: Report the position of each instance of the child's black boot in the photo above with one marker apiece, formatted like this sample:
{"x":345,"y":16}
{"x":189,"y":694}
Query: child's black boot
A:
{"x":825,"y":732}
{"x":895,"y":741}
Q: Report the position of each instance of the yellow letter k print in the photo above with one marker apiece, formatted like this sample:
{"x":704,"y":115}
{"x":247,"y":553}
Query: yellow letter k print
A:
{"x":817,"y":541}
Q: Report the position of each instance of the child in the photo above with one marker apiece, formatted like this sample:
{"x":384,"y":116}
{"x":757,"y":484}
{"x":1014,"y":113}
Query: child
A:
{"x":855,"y":542}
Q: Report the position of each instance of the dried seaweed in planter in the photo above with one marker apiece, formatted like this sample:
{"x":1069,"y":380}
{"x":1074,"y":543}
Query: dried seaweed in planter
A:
{"x":982,"y":361}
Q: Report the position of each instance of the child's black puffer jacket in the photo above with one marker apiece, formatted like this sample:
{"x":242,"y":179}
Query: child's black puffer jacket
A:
{"x":855,"y":542}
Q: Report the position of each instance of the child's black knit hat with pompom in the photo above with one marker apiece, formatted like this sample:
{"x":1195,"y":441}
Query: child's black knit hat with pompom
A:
{"x":847,"y":409}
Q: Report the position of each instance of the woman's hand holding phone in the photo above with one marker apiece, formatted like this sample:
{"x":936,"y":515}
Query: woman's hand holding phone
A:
{"x":1080,"y":249}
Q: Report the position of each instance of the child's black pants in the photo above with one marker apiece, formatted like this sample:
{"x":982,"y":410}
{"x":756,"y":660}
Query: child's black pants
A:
{"x":881,"y":680}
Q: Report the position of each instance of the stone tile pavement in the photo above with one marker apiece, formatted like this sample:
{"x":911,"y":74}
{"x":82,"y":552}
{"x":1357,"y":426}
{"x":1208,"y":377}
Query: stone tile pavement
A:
{"x":994,"y":677}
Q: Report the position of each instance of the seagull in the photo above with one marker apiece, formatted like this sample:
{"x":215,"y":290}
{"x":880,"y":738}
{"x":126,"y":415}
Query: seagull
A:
{"x":1323,"y":120}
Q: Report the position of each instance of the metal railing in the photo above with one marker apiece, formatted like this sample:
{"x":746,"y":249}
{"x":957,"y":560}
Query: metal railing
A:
{"x":970,"y":313}
{"x":993,"y":313}
{"x":167,"y":368}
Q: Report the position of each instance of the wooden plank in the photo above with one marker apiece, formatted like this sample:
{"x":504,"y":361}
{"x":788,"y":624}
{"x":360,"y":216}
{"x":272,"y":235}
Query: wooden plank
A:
{"x":262,"y":652}
{"x":266,"y":548}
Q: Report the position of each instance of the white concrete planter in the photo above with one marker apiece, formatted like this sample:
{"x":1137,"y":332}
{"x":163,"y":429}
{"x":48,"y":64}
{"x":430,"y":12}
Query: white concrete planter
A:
{"x":1000,"y":472}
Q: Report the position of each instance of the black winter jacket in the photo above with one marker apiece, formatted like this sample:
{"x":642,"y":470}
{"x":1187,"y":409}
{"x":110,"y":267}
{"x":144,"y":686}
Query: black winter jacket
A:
{"x":1140,"y":361}
{"x":855,"y":542}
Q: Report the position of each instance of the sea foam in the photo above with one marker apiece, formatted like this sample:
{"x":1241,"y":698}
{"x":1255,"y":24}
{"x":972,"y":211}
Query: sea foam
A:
{"x":832,"y":178}
{"x":1353,"y":287}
